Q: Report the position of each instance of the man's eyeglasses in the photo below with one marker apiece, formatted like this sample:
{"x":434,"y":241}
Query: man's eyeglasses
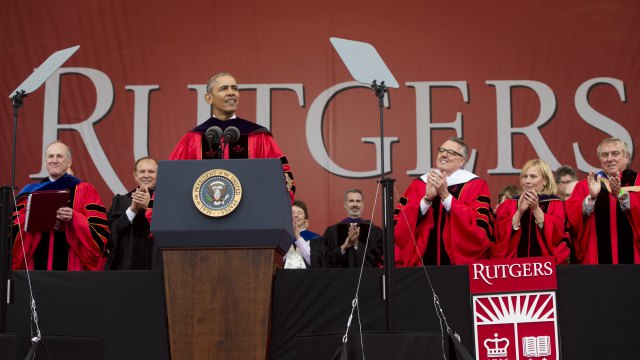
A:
{"x":449,"y":152}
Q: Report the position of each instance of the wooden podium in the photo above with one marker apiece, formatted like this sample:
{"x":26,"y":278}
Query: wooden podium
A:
{"x":218,"y":271}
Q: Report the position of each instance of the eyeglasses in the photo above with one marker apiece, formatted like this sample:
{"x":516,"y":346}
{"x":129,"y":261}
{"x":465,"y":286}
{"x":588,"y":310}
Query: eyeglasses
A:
{"x":449,"y":152}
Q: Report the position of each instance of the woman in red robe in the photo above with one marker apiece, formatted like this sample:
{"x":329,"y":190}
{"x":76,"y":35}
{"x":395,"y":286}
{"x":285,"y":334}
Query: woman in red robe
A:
{"x":532,"y":223}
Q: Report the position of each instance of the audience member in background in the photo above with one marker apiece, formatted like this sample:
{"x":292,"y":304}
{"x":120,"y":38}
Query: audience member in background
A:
{"x":506,"y":193}
{"x":565,"y":177}
{"x":532,"y":224}
{"x":345,"y":242}
{"x":81,"y":238}
{"x":568,"y":189}
{"x":130,"y":219}
{"x":306,"y":251}
{"x":603,"y":211}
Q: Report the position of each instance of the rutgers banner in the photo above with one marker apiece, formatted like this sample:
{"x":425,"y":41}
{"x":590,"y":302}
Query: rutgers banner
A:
{"x":516,"y":79}
{"x":514,"y":309}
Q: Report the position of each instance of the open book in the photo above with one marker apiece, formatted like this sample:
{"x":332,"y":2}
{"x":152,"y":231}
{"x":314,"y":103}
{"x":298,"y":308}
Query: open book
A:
{"x":42,"y":207}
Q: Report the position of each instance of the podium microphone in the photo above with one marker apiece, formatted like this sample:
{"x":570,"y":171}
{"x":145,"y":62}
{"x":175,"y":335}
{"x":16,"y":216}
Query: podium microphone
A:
{"x":213,"y":135}
{"x":231,"y":135}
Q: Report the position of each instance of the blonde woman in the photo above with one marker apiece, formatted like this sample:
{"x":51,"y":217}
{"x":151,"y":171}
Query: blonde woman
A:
{"x":532,"y":223}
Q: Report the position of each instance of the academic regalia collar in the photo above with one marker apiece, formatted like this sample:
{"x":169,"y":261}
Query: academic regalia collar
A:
{"x":66,"y":181}
{"x":460,"y":176}
{"x":246,"y":127}
{"x":357,"y":220}
{"x":308,"y":235}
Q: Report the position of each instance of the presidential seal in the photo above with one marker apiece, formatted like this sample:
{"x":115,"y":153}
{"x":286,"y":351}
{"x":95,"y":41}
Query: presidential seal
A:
{"x":217,"y":192}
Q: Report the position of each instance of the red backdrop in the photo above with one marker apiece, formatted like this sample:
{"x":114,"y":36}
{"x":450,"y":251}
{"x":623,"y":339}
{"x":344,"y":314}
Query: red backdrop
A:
{"x":565,"y":72}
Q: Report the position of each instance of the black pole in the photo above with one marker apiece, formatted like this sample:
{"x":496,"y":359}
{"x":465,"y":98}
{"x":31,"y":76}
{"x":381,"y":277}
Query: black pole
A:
{"x":16,"y":101}
{"x":6,"y":208}
{"x":6,"y":223}
{"x":388,"y":283}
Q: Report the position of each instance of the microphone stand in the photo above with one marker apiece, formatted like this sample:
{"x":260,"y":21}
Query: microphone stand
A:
{"x":6,"y":223}
{"x":221,"y":148}
{"x":388,"y":286}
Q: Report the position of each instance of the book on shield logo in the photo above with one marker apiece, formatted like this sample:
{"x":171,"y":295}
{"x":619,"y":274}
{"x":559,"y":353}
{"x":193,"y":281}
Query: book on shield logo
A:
{"x":536,"y":346}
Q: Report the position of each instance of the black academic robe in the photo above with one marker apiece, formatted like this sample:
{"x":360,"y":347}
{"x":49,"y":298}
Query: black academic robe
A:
{"x":132,"y":243}
{"x":352,"y":257}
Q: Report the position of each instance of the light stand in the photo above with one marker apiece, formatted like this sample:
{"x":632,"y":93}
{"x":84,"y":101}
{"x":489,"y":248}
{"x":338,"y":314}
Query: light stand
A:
{"x":29,"y":85}
{"x":366,"y":66}
{"x":6,"y":223}
{"x":389,"y":293}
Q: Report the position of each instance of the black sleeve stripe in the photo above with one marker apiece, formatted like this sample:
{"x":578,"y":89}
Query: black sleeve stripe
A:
{"x":102,"y":232}
{"x":484,"y":199}
{"x":484,"y":211}
{"x":98,"y":220}
{"x":485,"y":226}
{"x":403,"y":201}
{"x":96,"y":207}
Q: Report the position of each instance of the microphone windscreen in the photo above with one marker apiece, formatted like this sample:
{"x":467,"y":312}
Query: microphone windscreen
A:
{"x":231,"y":134}
{"x":213,"y":134}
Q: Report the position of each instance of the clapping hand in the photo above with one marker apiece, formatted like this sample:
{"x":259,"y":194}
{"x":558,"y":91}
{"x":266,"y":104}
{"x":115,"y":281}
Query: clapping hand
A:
{"x":595,"y":185}
{"x":140,"y":199}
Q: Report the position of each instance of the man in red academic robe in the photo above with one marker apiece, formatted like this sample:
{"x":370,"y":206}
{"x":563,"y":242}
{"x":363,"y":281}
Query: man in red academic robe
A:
{"x":84,"y":230}
{"x":603,"y":211}
{"x":448,"y":213}
{"x":256,"y":142}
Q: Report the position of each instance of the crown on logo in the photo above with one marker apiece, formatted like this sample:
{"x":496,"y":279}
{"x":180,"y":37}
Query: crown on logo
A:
{"x":493,"y":346}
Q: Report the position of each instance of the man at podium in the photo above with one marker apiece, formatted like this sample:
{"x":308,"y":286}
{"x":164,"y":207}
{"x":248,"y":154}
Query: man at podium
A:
{"x":79,"y":237}
{"x":255,"y":141}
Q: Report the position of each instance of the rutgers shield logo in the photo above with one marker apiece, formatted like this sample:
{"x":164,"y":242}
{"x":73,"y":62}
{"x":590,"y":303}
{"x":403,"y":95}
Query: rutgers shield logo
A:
{"x":516,"y":326}
{"x":514,"y":309}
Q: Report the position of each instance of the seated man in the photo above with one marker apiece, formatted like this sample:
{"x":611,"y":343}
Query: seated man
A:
{"x":444,"y":217}
{"x":83,"y":232}
{"x":306,"y":250}
{"x":256,"y":142}
{"x":345,"y":243}
{"x":130,"y":219}
{"x":603,"y":212}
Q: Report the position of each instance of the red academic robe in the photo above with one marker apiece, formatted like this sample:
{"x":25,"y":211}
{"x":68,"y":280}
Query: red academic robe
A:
{"x":465,"y":233}
{"x":79,"y":247}
{"x":259,"y":142}
{"x":608,"y":235}
{"x":529,"y":239}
